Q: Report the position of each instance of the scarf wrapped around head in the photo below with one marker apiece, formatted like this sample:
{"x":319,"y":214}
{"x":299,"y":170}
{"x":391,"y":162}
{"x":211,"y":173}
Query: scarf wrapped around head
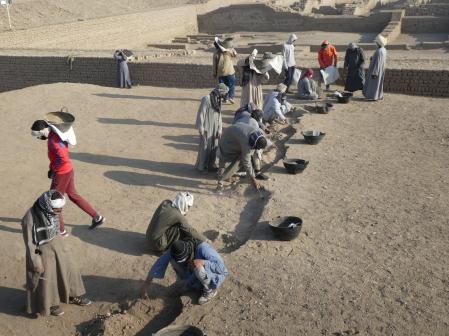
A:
{"x":183,"y":251}
{"x":216,"y":94}
{"x":380,"y":40}
{"x":292,"y":38}
{"x":254,"y":137}
{"x":352,"y":46}
{"x":308,"y":73}
{"x":183,"y":201}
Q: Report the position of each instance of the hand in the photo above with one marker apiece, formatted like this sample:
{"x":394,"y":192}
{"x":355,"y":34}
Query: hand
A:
{"x":39,"y":269}
{"x":197,"y":263}
{"x":50,"y":174}
{"x":374,"y":76}
{"x":201,"y":132}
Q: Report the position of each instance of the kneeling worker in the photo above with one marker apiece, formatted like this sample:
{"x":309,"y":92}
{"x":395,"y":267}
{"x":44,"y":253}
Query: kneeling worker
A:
{"x":169,"y":223}
{"x":196,"y":263}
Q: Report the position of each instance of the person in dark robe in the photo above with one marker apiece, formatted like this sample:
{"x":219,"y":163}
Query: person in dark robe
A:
{"x":123,"y":77}
{"x":51,"y":274}
{"x":354,"y":61}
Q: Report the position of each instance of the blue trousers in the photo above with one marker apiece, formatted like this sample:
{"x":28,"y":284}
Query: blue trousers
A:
{"x":289,"y":75}
{"x":229,"y":81}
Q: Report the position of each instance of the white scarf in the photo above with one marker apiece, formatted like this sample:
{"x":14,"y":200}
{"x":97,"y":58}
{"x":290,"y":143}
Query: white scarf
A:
{"x":183,"y":201}
{"x":68,"y":136}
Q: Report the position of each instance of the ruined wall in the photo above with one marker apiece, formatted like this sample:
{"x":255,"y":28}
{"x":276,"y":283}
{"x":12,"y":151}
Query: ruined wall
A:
{"x":432,"y":9}
{"x":425,"y":24}
{"x":20,"y":72}
{"x":262,"y":18}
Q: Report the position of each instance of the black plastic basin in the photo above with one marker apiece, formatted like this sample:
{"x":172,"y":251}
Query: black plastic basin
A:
{"x":295,"y":166}
{"x":313,"y":137}
{"x":286,"y":228}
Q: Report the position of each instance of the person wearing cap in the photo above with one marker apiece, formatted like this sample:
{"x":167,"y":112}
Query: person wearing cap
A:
{"x":254,"y":74}
{"x":288,"y":51}
{"x":275,"y":105}
{"x":169,"y":223}
{"x":59,"y":133}
{"x":236,"y":148}
{"x":223,"y":65}
{"x":374,"y":86}
{"x":307,"y":87}
{"x":354,"y":61}
{"x":197,"y":265}
{"x":327,"y":56}
{"x":209,"y":125}
{"x":123,"y":77}
{"x":51,"y":275}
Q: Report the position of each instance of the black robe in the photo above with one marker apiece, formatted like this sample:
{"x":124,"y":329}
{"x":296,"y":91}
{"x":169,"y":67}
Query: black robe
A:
{"x":354,"y":60}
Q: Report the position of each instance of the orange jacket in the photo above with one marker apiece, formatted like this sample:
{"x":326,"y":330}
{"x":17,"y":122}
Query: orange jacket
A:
{"x":326,"y":56}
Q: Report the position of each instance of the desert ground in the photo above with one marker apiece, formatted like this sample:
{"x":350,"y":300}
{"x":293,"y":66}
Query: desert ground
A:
{"x":371,"y":259}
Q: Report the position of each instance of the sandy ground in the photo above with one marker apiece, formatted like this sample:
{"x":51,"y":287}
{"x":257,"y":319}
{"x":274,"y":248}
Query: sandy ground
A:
{"x":371,"y":258}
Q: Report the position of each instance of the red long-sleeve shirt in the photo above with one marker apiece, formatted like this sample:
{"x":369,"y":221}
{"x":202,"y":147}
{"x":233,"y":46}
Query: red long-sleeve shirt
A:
{"x":326,"y":56}
{"x":58,"y":153}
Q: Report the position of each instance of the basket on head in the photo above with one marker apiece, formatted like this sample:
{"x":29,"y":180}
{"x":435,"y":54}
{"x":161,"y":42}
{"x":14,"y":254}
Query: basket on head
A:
{"x":62,"y":119}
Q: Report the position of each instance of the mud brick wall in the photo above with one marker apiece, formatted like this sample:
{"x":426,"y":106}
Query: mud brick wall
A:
{"x":21,"y":72}
{"x":432,"y":9}
{"x":425,"y":24}
{"x":261,"y":18}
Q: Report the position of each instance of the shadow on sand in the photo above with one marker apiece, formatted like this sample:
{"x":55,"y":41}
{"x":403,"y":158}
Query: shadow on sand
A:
{"x":127,"y":96}
{"x":129,"y":121}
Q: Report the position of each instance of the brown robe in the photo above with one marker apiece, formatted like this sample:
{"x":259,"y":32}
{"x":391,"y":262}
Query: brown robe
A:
{"x":61,"y":278}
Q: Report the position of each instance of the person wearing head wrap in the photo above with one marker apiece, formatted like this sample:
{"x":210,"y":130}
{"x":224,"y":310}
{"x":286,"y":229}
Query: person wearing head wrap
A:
{"x":169,"y":223}
{"x":307,"y":87}
{"x":327,"y":56}
{"x":254,"y":74}
{"x":288,"y":51}
{"x":61,"y":169}
{"x":123,"y":77}
{"x":223,"y":65}
{"x":236,"y":148}
{"x":51,"y":275}
{"x":209,"y":124}
{"x":275,"y":105}
{"x":354,"y":61}
{"x":374,"y":86}
{"x":197,"y":264}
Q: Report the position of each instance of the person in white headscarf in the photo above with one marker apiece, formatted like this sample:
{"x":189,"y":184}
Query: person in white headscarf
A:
{"x":169,"y":223}
{"x":374,"y":86}
{"x":275,"y":105}
{"x":288,"y":51}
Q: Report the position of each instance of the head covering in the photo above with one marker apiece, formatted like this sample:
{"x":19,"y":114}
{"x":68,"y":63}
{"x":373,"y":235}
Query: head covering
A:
{"x":221,"y":89}
{"x":46,"y":224}
{"x":292,"y":38}
{"x":254,"y":137}
{"x":183,"y":201}
{"x":183,"y":250}
{"x":325,"y":42}
{"x":254,"y":53}
{"x":61,"y":123}
{"x":228,"y":43}
{"x":40,"y":129}
{"x":281,"y":88}
{"x":380,"y":40}
{"x":307,"y":73}
{"x":352,"y":46}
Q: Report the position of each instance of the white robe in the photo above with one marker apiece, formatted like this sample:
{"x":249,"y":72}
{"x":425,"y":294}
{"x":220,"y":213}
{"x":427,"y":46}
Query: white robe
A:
{"x":374,"y":87}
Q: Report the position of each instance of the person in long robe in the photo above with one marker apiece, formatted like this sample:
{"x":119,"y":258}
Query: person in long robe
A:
{"x":252,"y":80}
{"x":223,"y":66}
{"x":123,"y":76}
{"x":209,"y":125}
{"x":51,"y":275}
{"x":197,"y":265}
{"x":289,"y":64}
{"x":307,"y":87}
{"x":236,"y":148}
{"x":169,"y":223}
{"x":354,"y":61}
{"x":374,"y":86}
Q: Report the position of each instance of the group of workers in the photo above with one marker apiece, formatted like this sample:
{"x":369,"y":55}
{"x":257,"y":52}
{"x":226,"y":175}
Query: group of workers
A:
{"x":51,"y":275}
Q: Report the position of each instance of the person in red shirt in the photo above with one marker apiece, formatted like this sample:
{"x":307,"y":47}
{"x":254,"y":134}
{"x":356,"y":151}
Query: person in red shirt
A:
{"x":327,"y":56}
{"x":61,"y":170}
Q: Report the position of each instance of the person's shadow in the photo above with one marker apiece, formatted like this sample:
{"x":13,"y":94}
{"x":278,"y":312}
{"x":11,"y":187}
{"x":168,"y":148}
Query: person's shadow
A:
{"x":13,"y":301}
{"x":129,"y":121}
{"x":10,"y":220}
{"x":126,"y":242}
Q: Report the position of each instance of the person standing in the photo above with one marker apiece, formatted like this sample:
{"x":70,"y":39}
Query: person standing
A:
{"x":196,"y":264}
{"x":123,"y":77}
{"x":169,"y":223}
{"x":374,"y":87}
{"x":209,"y":124}
{"x":288,"y":51}
{"x":354,"y":61}
{"x":327,"y":56}
{"x":51,"y":275}
{"x":223,"y":65}
{"x":58,"y":129}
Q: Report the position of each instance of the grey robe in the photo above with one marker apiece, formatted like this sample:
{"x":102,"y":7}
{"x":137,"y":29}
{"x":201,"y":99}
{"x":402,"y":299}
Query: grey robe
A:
{"x":61,"y":278}
{"x":209,"y":121}
{"x":307,"y":89}
{"x":123,"y":77}
{"x":374,"y":87}
{"x":235,"y":149}
{"x":252,"y":92}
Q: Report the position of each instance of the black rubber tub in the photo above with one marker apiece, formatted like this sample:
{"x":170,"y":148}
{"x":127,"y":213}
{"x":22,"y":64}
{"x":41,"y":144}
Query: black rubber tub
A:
{"x":286,"y":228}
{"x":295,"y":166}
{"x":313,"y":137}
{"x":346,"y":97}
{"x":185,"y":330}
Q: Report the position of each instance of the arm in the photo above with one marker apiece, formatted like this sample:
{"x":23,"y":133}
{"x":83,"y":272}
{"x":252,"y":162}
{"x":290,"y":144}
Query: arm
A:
{"x":27,"y":230}
{"x":284,"y":55}
{"x":200,"y":117}
{"x":160,"y":266}
{"x":308,"y":89}
{"x":320,"y":60}
{"x":215,"y":64}
{"x":277,"y":110}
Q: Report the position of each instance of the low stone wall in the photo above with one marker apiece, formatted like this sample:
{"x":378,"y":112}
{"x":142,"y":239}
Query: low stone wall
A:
{"x":21,"y":72}
{"x":425,"y":24}
{"x":432,"y":9}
